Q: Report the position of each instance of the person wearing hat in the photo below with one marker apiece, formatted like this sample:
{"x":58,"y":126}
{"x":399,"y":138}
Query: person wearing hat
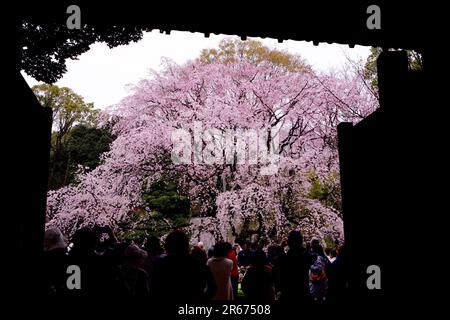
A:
{"x":55,"y":262}
{"x":133,"y":280}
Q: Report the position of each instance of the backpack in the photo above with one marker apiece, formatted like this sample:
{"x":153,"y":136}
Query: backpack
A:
{"x":317,"y":271}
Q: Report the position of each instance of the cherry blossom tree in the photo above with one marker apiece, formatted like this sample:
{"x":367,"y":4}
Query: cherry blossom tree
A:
{"x":251,"y":137}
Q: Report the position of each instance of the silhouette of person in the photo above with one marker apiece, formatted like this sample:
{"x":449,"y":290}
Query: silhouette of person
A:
{"x":231,"y":254}
{"x":55,"y":262}
{"x":221,"y":268}
{"x":337,"y":279}
{"x":257,"y":283}
{"x":274,"y":253}
{"x":199,"y":255}
{"x":317,"y":274}
{"x":91,"y":264}
{"x":154,"y":252}
{"x":333,"y":255}
{"x":133,"y":279}
{"x":292,"y":274}
{"x":179,"y":277}
{"x":245,"y":254}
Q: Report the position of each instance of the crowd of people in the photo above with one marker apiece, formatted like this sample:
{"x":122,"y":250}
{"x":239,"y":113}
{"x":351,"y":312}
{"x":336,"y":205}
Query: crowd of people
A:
{"x":292,"y":271}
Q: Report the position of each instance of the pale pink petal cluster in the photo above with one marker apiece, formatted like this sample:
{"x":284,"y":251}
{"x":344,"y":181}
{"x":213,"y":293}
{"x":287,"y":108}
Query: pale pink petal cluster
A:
{"x":300,"y":111}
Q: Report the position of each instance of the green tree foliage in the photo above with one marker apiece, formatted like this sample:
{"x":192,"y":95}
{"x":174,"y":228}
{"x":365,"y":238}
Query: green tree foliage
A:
{"x":71,"y":115}
{"x":46,"y":46}
{"x":165,"y":199}
{"x":167,"y":209}
{"x":254,"y":52}
{"x":326,"y":191}
{"x":167,"y":204}
{"x":415,"y":62}
{"x":68,"y":109}
{"x":84,"y":147}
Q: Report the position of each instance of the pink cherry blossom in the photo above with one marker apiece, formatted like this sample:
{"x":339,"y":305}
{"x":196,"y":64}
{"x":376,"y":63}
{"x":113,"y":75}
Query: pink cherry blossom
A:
{"x":298,"y":110}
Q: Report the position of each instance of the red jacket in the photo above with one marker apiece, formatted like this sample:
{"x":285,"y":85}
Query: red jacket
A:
{"x":233,"y":257}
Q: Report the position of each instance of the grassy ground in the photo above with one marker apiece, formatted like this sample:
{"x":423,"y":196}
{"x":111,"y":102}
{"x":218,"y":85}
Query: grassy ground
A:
{"x":240,"y":294}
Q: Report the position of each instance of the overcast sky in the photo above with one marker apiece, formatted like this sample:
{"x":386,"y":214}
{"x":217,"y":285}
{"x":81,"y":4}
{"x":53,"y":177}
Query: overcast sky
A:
{"x":103,"y":76}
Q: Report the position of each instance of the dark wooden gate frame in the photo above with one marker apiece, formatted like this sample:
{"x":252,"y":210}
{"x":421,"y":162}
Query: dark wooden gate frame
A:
{"x":384,"y":159}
